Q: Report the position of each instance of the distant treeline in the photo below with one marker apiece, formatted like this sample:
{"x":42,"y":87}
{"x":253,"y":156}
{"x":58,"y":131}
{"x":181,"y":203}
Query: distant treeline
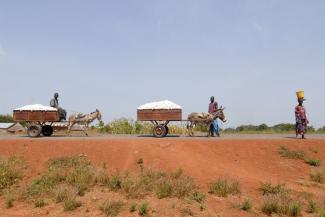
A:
{"x":279,"y":128}
{"x":129,"y":126}
{"x":6,"y":119}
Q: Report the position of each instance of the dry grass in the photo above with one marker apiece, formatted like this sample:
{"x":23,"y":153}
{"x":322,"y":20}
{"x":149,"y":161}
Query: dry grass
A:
{"x":11,"y":171}
{"x":291,"y":154}
{"x":223,"y":187}
{"x":318,"y":176}
{"x":111,"y":208}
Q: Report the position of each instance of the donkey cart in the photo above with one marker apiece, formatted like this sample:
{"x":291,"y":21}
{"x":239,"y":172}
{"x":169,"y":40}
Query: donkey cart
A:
{"x":40,"y":122}
{"x":160,"y":118}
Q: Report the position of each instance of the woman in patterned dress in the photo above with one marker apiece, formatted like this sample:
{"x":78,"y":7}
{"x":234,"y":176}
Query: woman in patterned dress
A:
{"x":301,"y":119}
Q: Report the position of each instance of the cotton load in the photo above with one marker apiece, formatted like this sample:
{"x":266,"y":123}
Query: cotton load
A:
{"x":36,"y":107}
{"x":166,"y":104}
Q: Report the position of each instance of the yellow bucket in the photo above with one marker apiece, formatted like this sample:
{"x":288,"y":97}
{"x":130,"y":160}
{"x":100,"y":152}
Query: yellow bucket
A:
{"x":300,"y":94}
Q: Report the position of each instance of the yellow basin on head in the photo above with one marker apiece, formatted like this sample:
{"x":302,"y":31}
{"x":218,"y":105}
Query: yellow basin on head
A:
{"x":300,"y":94}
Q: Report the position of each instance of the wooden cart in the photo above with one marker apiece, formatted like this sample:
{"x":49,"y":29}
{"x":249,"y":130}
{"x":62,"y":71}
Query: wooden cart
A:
{"x":39,"y":122}
{"x":160,"y":118}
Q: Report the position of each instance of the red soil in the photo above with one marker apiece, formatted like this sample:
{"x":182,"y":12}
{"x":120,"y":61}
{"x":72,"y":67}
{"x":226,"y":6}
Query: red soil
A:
{"x":249,"y":161}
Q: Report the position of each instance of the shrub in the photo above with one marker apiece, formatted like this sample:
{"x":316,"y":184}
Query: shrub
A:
{"x":9,"y":201}
{"x":291,"y":154}
{"x":62,"y":193}
{"x":74,"y":171}
{"x":187,"y":212}
{"x":38,"y":203}
{"x":133,"y":207}
{"x":294,"y":209}
{"x":268,"y":188}
{"x":143,"y":209}
{"x":198,"y":197}
{"x":311,"y":207}
{"x":70,"y":204}
{"x":11,"y":171}
{"x":222,"y":187}
{"x":281,"y":204}
{"x":111,"y":208}
{"x":246,"y":205}
{"x":313,"y":162}
{"x":318,"y":176}
{"x":270,"y":205}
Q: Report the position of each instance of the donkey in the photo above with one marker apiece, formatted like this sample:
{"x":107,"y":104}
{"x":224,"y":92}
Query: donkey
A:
{"x":204,"y":118}
{"x":84,"y":119}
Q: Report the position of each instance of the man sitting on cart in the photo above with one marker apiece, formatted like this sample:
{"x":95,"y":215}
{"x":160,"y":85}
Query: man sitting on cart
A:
{"x":55,"y":104}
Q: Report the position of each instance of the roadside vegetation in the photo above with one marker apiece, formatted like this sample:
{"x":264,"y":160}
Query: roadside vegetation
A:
{"x":67,"y":179}
{"x":224,"y":187}
{"x":298,"y":155}
{"x":11,"y":172}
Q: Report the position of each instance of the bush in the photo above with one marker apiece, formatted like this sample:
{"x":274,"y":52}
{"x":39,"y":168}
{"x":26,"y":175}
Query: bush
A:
{"x":313,"y":162}
{"x":11,"y":171}
{"x":281,"y":204}
{"x":318,"y":176}
{"x":223,"y":187}
{"x":268,"y":188}
{"x":143,"y":209}
{"x":286,"y":153}
{"x":311,"y":207}
{"x":74,"y":171}
{"x":133,"y":207}
{"x":111,"y":208}
{"x":70,"y":204}
{"x":247,"y":205}
{"x":9,"y":201}
{"x":38,"y":203}
{"x":294,"y":209}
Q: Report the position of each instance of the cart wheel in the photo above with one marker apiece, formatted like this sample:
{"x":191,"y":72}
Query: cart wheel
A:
{"x":34,"y":130}
{"x":47,"y":130}
{"x":159,"y":131}
{"x":167,"y":130}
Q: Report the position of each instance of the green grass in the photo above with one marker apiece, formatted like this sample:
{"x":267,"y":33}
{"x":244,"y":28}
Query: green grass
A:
{"x":313,"y":162}
{"x":143,"y":209}
{"x":311,"y":207}
{"x":246,"y":205}
{"x":318,"y":176}
{"x":11,"y":171}
{"x":223,"y":187}
{"x":74,"y":171}
{"x":291,"y":154}
{"x":133,"y":207}
{"x":111,"y":208}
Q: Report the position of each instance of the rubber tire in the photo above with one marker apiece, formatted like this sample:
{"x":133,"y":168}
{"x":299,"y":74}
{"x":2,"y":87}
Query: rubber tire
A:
{"x":159,"y":131}
{"x":34,"y":130}
{"x":47,"y":130}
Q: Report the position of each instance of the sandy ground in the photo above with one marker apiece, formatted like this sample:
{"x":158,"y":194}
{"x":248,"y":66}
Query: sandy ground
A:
{"x":251,"y":159}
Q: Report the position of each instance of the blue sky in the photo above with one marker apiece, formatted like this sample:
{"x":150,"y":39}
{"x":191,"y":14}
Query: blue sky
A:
{"x":252,"y":55}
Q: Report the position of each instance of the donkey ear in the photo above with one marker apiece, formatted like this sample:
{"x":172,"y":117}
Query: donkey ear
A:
{"x":97,"y":110}
{"x":221,"y":107}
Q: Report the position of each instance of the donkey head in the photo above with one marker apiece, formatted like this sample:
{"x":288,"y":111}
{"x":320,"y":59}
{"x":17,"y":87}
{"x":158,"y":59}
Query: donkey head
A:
{"x":99,"y":115}
{"x":219,"y":114}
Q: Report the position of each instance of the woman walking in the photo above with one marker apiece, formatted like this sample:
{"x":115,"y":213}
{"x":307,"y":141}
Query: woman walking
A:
{"x":301,"y":117}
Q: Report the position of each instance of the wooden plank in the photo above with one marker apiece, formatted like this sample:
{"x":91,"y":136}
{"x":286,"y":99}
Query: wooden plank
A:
{"x":159,"y":115}
{"x":36,"y":116}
